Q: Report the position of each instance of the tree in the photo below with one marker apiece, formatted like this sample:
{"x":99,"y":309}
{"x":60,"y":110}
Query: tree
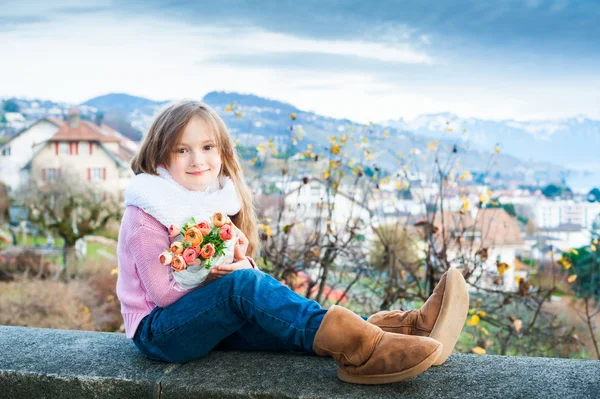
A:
{"x":72,"y":211}
{"x":594,"y":195}
{"x":553,"y":191}
{"x":11,"y":106}
{"x":583,"y":266}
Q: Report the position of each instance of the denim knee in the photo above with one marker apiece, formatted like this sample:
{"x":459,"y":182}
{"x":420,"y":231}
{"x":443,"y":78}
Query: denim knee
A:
{"x":243,"y":277}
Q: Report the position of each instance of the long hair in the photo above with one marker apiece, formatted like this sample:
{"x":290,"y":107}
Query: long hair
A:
{"x":165,"y":133}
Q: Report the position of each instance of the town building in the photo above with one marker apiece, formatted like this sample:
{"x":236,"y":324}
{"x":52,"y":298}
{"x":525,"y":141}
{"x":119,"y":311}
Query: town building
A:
{"x":82,"y":151}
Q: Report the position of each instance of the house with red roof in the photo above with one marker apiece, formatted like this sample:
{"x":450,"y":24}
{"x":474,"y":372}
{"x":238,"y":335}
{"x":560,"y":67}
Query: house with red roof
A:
{"x":83,"y":151}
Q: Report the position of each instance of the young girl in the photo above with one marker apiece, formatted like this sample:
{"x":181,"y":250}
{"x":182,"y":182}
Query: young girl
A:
{"x":188,"y":160}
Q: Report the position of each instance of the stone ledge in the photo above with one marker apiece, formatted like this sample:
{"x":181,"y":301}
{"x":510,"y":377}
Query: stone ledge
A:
{"x":44,"y":363}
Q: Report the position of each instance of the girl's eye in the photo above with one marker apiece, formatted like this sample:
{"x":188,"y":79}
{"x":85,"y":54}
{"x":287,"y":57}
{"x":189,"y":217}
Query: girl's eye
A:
{"x":181,"y":151}
{"x":208,"y":147}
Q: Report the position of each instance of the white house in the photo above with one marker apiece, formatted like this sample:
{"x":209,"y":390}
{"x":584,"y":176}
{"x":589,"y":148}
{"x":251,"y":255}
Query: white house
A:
{"x":15,"y":153}
{"x":549,"y":213}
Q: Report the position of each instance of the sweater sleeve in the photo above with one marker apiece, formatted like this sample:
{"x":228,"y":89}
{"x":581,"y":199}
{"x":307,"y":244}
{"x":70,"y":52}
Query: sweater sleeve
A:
{"x":146,"y":245}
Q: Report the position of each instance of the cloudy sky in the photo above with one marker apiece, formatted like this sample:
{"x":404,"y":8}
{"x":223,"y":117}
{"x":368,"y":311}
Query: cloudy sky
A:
{"x":369,"y":60}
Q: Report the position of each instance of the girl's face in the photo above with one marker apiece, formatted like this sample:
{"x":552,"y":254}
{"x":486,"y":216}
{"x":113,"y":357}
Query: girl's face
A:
{"x":195,"y":162}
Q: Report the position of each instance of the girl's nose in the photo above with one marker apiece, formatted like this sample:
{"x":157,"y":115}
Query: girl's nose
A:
{"x":197,"y":158}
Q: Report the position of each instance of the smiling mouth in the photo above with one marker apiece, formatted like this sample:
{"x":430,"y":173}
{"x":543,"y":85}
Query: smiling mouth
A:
{"x":200,"y":173}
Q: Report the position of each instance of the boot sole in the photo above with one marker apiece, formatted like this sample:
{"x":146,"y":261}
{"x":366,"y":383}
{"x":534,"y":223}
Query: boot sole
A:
{"x":453,"y":314}
{"x":394,"y":377}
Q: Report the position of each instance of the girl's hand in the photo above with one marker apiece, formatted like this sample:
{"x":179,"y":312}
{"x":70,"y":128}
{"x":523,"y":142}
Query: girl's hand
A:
{"x":223,"y":270}
{"x":241,"y":246}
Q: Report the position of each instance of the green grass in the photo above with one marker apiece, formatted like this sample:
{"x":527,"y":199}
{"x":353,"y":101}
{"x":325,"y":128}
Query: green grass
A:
{"x":94,"y":251}
{"x":93,"y":254}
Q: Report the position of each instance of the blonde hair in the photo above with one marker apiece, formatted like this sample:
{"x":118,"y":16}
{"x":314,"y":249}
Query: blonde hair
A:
{"x":165,"y":133}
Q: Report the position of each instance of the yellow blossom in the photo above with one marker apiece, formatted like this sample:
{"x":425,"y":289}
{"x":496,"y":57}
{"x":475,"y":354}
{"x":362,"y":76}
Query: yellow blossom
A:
{"x":238,"y":114}
{"x":335,"y":149}
{"x":497,"y":150}
{"x":293,"y":116}
{"x":565,"y":263}
{"x":310,"y":146}
{"x":518,"y":324}
{"x":473,"y":321}
{"x":502,"y":267}
{"x":572,"y":278}
{"x":253,"y":161}
{"x":386,"y":134}
{"x":267,"y":229}
{"x":478,"y":350}
{"x":261,"y":148}
{"x":114,"y":271}
{"x":465,"y":205}
{"x":326,"y":174}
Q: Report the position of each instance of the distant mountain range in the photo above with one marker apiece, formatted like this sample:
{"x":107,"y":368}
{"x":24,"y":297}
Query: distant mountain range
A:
{"x":264,"y":119}
{"x":534,"y":151}
{"x":573,"y":143}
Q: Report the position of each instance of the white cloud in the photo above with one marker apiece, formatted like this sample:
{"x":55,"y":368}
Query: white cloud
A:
{"x":77,"y":57}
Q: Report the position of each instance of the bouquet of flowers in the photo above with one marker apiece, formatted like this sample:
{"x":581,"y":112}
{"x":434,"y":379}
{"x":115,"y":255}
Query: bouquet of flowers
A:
{"x":198,"y":247}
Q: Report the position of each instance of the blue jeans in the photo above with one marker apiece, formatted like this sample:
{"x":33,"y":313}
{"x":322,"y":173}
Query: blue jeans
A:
{"x":244,"y":310}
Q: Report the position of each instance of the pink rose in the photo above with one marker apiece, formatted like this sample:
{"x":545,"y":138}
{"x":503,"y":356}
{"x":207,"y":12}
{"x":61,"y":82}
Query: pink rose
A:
{"x":177,"y":248}
{"x":207,"y":251}
{"x":226,"y":232}
{"x":219,"y":219}
{"x":190,"y":255}
{"x":178,"y":263}
{"x":165,"y":258}
{"x":174,"y":230}
{"x":204,"y":228}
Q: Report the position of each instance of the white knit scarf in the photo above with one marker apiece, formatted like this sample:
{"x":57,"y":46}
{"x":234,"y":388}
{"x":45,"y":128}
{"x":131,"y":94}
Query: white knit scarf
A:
{"x":169,"y":202}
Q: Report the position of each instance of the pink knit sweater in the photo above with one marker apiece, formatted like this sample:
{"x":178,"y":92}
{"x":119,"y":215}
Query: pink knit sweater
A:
{"x":143,"y":283}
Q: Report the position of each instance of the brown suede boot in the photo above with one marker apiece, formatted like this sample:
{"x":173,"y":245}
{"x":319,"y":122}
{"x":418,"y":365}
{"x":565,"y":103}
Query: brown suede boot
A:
{"x":366,"y":354}
{"x":442,"y":317}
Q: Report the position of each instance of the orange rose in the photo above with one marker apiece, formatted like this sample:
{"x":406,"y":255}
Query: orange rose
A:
{"x":204,"y":228}
{"x":219,"y":219}
{"x":207,"y":251}
{"x":177,"y":248}
{"x":194,"y":236}
{"x":178,"y":264}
